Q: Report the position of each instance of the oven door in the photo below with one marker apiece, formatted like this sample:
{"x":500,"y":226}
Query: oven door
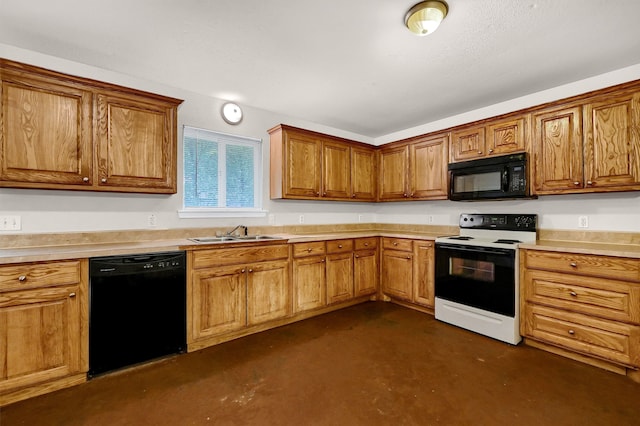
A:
{"x":480,"y":277}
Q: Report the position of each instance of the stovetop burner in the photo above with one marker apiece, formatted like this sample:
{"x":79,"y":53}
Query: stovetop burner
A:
{"x":507,"y":241}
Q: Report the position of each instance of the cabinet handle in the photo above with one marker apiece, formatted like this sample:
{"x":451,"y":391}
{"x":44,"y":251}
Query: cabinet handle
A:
{"x":318,"y":194}
{"x":357,"y":256}
{"x":243,"y":270}
{"x":309,"y":250}
{"x":250,"y":270}
{"x":85,"y":179}
{"x":405,"y":195}
{"x":479,"y":152}
{"x":576,"y":183}
{"x":322,"y":260}
{"x":490,"y":151}
{"x":103,"y":180}
{"x":408,"y":257}
{"x":339,"y":245}
{"x":395,"y":244}
{"x":589,"y":182}
{"x":366,"y":244}
{"x":324,"y":194}
{"x":411,"y":195}
{"x":573,"y":264}
{"x":571,"y":332}
{"x":22,"y":278}
{"x":72,"y":295}
{"x":573,"y":293}
{"x":353,"y":195}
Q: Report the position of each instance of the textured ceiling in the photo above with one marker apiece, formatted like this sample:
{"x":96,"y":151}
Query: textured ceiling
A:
{"x":350,"y":64}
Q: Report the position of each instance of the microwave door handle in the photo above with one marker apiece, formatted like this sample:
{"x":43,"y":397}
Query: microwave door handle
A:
{"x":505,"y":180}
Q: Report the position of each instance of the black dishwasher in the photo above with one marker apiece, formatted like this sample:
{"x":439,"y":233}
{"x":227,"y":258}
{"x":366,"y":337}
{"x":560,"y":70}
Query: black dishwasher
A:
{"x":137,"y":309}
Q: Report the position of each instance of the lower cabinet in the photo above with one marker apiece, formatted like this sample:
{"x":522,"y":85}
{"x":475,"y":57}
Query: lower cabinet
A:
{"x":365,"y":266}
{"x":582,"y":306}
{"x":234,"y":288}
{"x":309,"y":276}
{"x":44,"y":343}
{"x":408,"y":270}
{"x":339,"y":272}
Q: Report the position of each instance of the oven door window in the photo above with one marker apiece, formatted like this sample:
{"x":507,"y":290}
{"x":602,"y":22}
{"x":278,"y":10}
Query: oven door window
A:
{"x":475,"y":276}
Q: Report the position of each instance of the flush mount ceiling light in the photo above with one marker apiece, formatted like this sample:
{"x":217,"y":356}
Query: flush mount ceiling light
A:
{"x":231,"y":113}
{"x":425,"y":17}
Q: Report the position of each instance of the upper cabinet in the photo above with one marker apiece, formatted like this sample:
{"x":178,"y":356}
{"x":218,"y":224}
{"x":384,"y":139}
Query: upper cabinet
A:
{"x":591,"y":146}
{"x":415,"y":169}
{"x":496,"y":137}
{"x":310,"y":165}
{"x":64,"y":132}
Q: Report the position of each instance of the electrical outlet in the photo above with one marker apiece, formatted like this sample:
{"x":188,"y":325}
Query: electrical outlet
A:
{"x":583,"y":221}
{"x":360,"y":217}
{"x":430,"y":219}
{"x":301,"y":218}
{"x":152,"y":221}
{"x":10,"y":223}
{"x":272,"y":219}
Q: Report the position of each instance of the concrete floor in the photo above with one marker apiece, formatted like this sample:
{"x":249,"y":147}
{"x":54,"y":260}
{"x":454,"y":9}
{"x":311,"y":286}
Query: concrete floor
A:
{"x":372,"y":364}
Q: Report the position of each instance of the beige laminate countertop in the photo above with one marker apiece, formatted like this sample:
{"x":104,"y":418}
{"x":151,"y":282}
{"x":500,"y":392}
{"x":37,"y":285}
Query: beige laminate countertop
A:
{"x":580,"y":247}
{"x":81,"y":251}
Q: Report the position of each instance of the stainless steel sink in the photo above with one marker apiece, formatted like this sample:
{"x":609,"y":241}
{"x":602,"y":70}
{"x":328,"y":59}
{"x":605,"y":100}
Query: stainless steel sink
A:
{"x":229,"y":238}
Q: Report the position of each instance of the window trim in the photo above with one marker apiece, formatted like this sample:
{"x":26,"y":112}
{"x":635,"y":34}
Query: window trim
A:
{"x":213,"y":212}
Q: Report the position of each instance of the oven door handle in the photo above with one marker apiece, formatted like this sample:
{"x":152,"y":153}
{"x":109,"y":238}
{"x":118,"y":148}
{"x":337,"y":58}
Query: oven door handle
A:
{"x":475,"y":249}
{"x":505,"y":180}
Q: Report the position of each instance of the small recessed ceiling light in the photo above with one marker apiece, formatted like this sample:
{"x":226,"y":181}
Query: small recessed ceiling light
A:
{"x":425,"y":17}
{"x":231,"y":113}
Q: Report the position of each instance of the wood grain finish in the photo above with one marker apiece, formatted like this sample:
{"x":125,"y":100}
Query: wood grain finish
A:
{"x":393,"y":169}
{"x":66,"y":132}
{"x":339,"y":276}
{"x":365,"y":272}
{"x":424,"y":273}
{"x":364,"y":174}
{"x":41,"y":327}
{"x":428,"y":168}
{"x":336,"y":170}
{"x":583,"y":303}
{"x":268,"y":292}
{"x":309,"y":283}
{"x":497,"y":136}
{"x":467,"y":144}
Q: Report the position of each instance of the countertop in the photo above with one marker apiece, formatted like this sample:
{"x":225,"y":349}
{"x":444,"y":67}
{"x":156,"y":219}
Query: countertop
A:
{"x":582,"y":247}
{"x":81,"y":251}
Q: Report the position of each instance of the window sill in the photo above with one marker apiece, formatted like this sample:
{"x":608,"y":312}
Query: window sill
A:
{"x":212,"y":213}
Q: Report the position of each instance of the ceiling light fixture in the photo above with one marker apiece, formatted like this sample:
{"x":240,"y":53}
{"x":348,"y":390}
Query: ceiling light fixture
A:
{"x":231,"y":113}
{"x":425,"y":17}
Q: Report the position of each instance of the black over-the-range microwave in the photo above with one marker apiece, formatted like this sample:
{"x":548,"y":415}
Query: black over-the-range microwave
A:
{"x":500,"y":177}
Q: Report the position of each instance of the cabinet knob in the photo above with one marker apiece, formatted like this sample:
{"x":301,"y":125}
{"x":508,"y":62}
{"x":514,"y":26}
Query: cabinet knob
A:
{"x":322,"y":260}
{"x":243,"y":270}
{"x":395,"y":244}
{"x":318,"y":194}
{"x":408,"y":257}
{"x":479,"y":152}
{"x":366,"y":244}
{"x":571,"y":332}
{"x":250,"y":270}
{"x":357,"y":256}
{"x":589,"y":182}
{"x":72,"y":295}
{"x":324,"y":194}
{"x":22,"y":278}
{"x":309,"y":250}
{"x":339,"y":245}
{"x":490,"y":151}
{"x":573,"y":264}
{"x":411,"y":195}
{"x":573,"y":293}
{"x":353,"y":195}
{"x":405,"y":195}
{"x":103,"y":180}
{"x":85,"y":179}
{"x":576,"y":183}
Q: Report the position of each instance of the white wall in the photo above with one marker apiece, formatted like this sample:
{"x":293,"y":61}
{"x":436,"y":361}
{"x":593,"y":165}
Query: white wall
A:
{"x":68,"y":211}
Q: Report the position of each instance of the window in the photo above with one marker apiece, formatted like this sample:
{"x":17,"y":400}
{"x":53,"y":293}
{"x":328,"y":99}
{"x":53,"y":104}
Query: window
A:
{"x":222,"y":174}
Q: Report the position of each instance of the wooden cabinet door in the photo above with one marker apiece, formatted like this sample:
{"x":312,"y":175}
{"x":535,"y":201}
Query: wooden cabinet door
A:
{"x":467,"y":144}
{"x":393,"y":170}
{"x":397,"y":274}
{"x":218,"y":301}
{"x":309,"y":288}
{"x":423,"y":273}
{"x":46,"y":134}
{"x":136,"y":146}
{"x":268,"y":294}
{"x":40,"y":331}
{"x":365,"y":272}
{"x":364,"y":175}
{"x":339,"y":277}
{"x":612,"y":143}
{"x":428,"y":168}
{"x":506,"y":136}
{"x":557,"y":150}
{"x":336,"y":170}
{"x":302,"y":172}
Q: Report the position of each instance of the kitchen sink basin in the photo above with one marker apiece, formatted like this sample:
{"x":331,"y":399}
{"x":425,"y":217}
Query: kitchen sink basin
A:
{"x":229,"y":238}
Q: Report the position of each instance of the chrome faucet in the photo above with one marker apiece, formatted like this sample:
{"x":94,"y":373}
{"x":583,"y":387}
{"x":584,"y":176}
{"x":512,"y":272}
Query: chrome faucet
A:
{"x":246,"y":230}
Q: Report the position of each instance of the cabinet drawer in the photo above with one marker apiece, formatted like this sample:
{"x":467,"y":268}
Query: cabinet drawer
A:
{"x":366,"y":243}
{"x":616,"y":300}
{"x":309,"y":249}
{"x":339,"y":246}
{"x":32,"y":275}
{"x":597,"y":337}
{"x":397,"y":244}
{"x":619,"y":268}
{"x":239,"y":255}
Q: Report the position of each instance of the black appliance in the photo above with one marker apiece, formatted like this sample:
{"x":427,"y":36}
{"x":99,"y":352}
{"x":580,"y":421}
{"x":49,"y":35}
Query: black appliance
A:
{"x":137,"y":309}
{"x":489,"y":178}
